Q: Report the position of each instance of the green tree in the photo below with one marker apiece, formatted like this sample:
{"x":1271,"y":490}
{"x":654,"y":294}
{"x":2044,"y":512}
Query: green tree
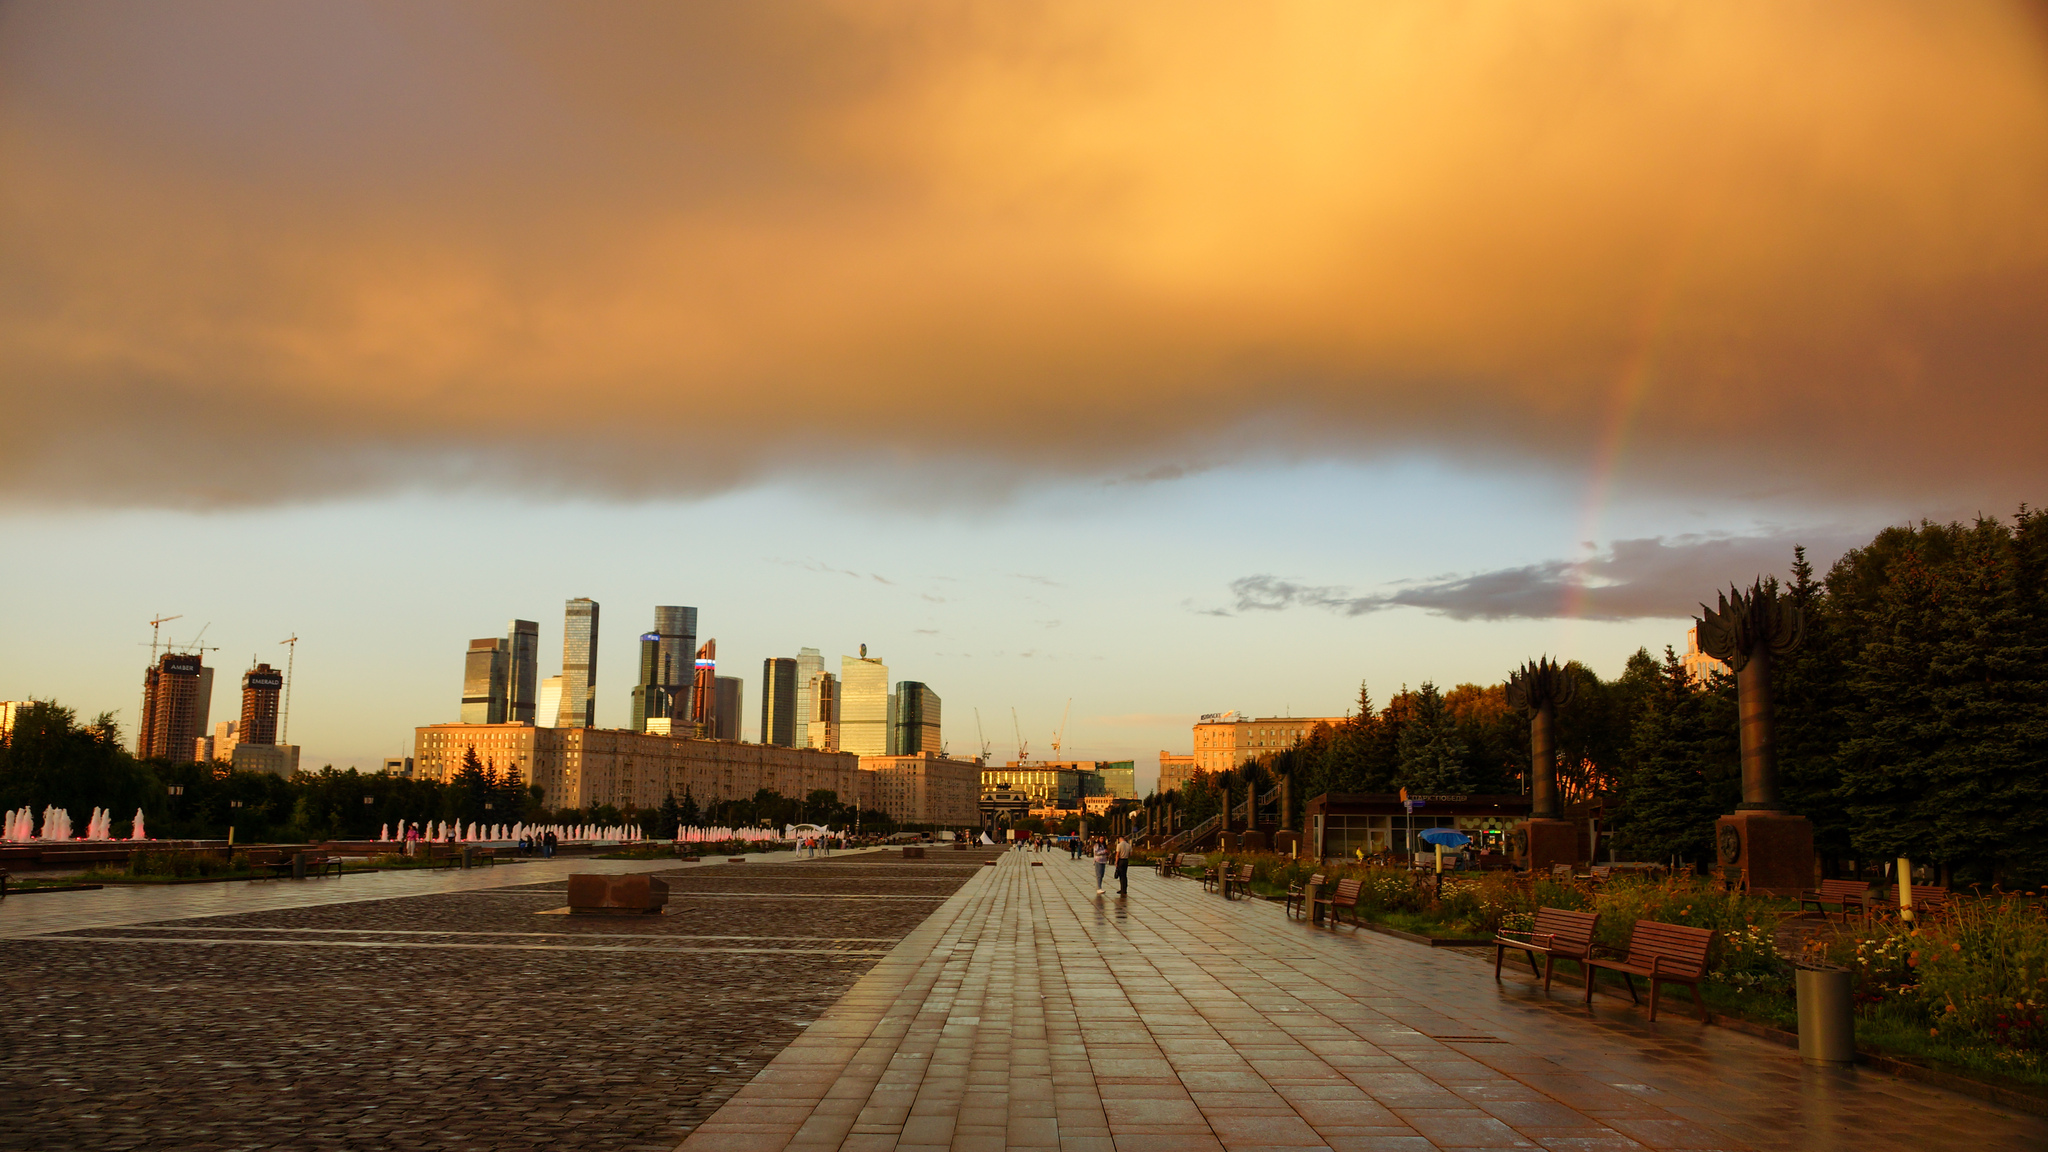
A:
{"x":1431,"y":753}
{"x":1682,"y":769}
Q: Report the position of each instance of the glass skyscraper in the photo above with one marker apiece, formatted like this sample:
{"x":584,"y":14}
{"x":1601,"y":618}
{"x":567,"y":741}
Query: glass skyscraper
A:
{"x":778,"y":702}
{"x":863,"y":705}
{"x":913,"y":719}
{"x":483,"y":682}
{"x":522,"y":670}
{"x":809,"y":663}
{"x":579,"y":664}
{"x":675,"y":633}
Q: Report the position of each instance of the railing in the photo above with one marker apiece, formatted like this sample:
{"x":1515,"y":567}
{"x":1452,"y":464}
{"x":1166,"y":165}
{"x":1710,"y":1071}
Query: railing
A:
{"x":1190,"y":835}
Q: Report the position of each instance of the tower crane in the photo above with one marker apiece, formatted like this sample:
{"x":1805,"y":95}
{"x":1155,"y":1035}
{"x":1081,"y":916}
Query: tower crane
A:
{"x":981,"y":736}
{"x":284,"y":718}
{"x":155,"y":626}
{"x":1062,"y":733}
{"x":1023,"y":746}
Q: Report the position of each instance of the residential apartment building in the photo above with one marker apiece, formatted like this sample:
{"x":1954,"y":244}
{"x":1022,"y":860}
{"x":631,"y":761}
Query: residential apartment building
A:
{"x":1224,"y":740}
{"x":177,"y":695}
{"x":9,"y":710}
{"x":863,"y":705}
{"x":1046,"y":785}
{"x":581,"y":767}
{"x":261,"y":687}
{"x":1698,"y":665}
{"x":277,"y":759}
{"x":924,"y":788}
{"x":1175,"y":771}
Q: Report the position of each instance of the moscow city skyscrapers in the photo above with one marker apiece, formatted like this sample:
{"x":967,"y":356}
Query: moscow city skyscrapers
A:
{"x":810,"y":663}
{"x":779,"y":702}
{"x":863,"y":705}
{"x":579,"y":664}
{"x":913,"y":719}
{"x":522,"y":670}
{"x":667,"y":668}
{"x":483,"y":681}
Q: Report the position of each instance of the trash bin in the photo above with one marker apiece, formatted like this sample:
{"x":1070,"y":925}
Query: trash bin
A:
{"x":1827,"y":1017}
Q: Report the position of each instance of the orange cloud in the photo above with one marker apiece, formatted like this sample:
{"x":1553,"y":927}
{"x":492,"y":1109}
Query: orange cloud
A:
{"x":256,"y":252}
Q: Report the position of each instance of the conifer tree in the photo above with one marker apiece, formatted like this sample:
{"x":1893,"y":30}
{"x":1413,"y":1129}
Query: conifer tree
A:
{"x":1682,"y":769}
{"x":1431,"y":755}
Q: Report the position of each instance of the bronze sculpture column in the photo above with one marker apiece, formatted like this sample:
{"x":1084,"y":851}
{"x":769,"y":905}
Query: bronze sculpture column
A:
{"x":1771,"y":849}
{"x":1538,"y":688}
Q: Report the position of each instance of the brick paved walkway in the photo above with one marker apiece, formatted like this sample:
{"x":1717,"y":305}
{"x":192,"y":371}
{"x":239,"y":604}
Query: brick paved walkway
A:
{"x":429,"y":1010}
{"x":1026,"y":1013}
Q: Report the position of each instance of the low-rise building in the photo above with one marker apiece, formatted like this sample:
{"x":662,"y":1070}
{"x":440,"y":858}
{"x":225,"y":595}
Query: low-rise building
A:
{"x":1224,"y":740}
{"x":1175,"y":771}
{"x":1045,"y":785}
{"x":583,"y":767}
{"x":1698,"y":665}
{"x":924,"y":788}
{"x":278,"y":759}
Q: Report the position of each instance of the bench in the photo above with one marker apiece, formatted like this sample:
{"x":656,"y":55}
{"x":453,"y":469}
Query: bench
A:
{"x":1843,"y":894}
{"x":1662,"y":953}
{"x":1929,"y":900}
{"x":1558,"y":933}
{"x":1213,"y":877}
{"x":1297,"y":895}
{"x":1169,"y":865}
{"x":315,"y":865}
{"x":1346,"y":896}
{"x":1236,"y":882}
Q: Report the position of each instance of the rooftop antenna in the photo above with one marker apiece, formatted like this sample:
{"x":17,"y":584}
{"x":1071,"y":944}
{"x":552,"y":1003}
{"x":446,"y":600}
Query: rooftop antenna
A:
{"x":284,"y":719}
{"x":154,"y":626}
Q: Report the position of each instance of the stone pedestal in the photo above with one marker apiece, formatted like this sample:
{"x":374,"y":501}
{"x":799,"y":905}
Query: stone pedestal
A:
{"x":1287,"y":843}
{"x":1548,"y":843}
{"x":1773,"y":851}
{"x":616,"y":895}
{"x":1253,"y":841}
{"x":1226,"y":842}
{"x":913,"y":852}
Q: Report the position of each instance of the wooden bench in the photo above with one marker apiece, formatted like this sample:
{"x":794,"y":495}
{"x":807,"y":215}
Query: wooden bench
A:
{"x":1169,"y":865}
{"x":1297,"y":895}
{"x":1213,"y":877}
{"x":1843,"y":894}
{"x":1662,"y":953}
{"x":1236,"y":882}
{"x":1558,"y":933}
{"x":1929,"y":900}
{"x":1346,"y":896}
{"x":315,"y":865}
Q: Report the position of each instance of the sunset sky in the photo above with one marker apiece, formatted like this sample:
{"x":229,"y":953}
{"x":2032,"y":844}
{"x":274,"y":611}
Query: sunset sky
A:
{"x":1168,"y":357}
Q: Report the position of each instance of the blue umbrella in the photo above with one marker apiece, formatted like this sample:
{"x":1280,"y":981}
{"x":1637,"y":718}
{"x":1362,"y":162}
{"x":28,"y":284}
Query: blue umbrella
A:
{"x":1445,"y":837}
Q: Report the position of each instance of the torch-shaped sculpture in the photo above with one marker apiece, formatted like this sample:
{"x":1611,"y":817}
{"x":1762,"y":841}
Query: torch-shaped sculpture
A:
{"x":1538,"y":688}
{"x":1772,"y":850}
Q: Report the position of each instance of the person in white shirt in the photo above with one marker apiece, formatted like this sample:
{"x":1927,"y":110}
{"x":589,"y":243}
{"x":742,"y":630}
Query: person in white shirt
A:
{"x":1123,"y":867}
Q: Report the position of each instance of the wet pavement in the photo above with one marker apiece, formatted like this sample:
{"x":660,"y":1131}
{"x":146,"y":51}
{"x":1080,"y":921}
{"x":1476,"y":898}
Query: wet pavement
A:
{"x":1029,"y":1013}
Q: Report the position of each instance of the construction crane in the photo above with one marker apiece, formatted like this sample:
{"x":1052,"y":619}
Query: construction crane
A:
{"x":1023,"y":746}
{"x":284,"y":717}
{"x":195,"y":647}
{"x":155,"y":626}
{"x":1062,"y":733}
{"x":981,"y":736}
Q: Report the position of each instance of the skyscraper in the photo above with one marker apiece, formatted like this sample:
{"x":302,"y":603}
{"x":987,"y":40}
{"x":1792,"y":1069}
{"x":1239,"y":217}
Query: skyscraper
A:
{"x":522,"y":671}
{"x":913,"y":719}
{"x":778,"y":702}
{"x":821,"y":725}
{"x":704,"y":689}
{"x":863,"y":705}
{"x":667,"y":671}
{"x":809,"y":663}
{"x":549,"y":711}
{"x":675,"y":626}
{"x":579,"y":665}
{"x":260,"y":688}
{"x":727,"y":708}
{"x":483,"y":681}
{"x":177,"y":694}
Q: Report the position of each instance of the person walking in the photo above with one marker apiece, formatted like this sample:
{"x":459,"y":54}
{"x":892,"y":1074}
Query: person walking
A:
{"x":548,"y":846}
{"x":1101,"y":862}
{"x":1123,"y":867}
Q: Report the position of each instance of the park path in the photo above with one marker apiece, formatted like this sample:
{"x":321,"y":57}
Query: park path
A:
{"x":1028,"y":1013}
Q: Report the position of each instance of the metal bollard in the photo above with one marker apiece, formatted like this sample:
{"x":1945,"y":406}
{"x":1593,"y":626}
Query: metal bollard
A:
{"x":468,"y":856}
{"x":1827,"y":1017}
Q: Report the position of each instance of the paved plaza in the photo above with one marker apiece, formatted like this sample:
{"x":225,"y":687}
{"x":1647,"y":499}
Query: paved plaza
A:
{"x":863,"y":1002}
{"x":429,"y":1010}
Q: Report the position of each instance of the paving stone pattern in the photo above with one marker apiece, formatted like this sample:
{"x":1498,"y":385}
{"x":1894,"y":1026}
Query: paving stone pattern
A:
{"x":452,"y":1021}
{"x":1029,"y":1013}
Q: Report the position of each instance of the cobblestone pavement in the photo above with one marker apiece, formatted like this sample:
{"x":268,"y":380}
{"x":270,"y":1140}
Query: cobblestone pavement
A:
{"x":460,"y":1019}
{"x":1029,"y":1013}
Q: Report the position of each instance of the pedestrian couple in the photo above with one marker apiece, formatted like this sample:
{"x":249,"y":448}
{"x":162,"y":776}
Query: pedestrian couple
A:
{"x":1120,"y":854}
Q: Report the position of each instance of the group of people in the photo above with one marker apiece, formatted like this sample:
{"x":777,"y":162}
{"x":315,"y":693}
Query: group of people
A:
{"x":1099,"y":849}
{"x":544,"y":844}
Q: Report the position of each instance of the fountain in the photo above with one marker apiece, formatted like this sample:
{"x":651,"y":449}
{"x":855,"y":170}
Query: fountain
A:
{"x":56,"y":824}
{"x":137,"y":833}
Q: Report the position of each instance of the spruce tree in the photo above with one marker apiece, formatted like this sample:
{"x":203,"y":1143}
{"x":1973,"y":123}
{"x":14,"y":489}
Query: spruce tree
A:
{"x":1431,"y":755}
{"x":1681,"y":771}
